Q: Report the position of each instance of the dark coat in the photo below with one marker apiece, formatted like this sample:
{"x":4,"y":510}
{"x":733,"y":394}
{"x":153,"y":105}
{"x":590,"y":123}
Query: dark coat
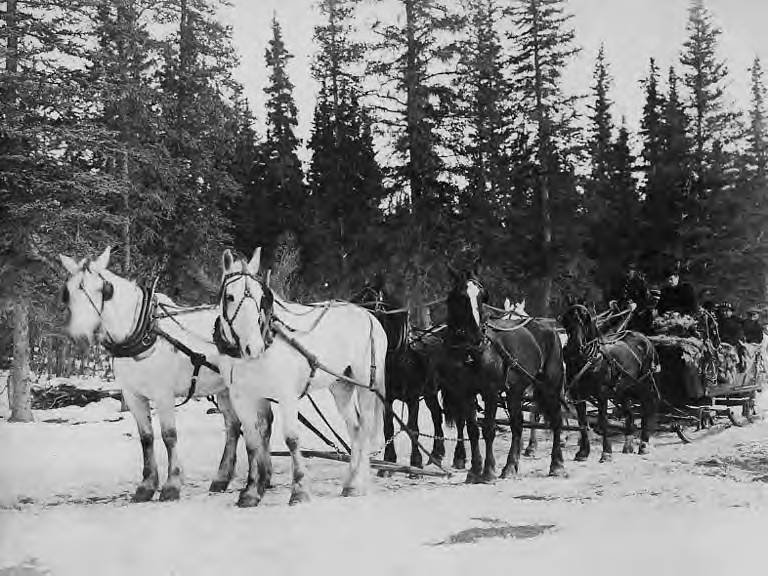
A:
{"x":753,"y":331}
{"x":731,"y":330}
{"x":680,"y":298}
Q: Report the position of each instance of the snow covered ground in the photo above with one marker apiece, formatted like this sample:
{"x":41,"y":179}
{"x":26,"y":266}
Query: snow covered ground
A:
{"x":65,"y":509}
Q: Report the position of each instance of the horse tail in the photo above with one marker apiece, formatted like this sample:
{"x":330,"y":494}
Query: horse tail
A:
{"x":451,"y":409}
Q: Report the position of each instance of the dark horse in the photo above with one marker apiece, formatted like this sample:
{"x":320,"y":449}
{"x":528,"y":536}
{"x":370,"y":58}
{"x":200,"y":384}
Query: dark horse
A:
{"x":409,"y":376}
{"x":494,"y":357}
{"x":618,"y":367}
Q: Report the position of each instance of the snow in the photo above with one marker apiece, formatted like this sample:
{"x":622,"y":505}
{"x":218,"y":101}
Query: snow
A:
{"x":65,"y":508}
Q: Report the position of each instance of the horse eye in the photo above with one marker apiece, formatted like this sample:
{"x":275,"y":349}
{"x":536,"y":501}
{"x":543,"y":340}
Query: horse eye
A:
{"x":230,"y":298}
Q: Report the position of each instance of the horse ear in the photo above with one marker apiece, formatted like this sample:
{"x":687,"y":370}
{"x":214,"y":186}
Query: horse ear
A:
{"x":69,"y":264}
{"x":269,"y":276}
{"x":227,"y":260}
{"x":101,"y":263}
{"x":507,"y":304}
{"x":253,"y":265}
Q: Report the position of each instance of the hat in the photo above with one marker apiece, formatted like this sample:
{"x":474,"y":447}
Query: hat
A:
{"x":753,"y":310}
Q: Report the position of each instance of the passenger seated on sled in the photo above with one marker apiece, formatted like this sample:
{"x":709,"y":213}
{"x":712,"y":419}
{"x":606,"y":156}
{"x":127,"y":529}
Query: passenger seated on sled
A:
{"x":677,"y":297}
{"x":731,"y":331}
{"x":643,"y":317}
{"x":753,"y":330}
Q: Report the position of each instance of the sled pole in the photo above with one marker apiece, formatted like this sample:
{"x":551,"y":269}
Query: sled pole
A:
{"x":378,"y":464}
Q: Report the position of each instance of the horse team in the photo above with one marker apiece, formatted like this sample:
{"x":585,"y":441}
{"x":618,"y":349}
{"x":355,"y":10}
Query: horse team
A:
{"x":266,"y":351}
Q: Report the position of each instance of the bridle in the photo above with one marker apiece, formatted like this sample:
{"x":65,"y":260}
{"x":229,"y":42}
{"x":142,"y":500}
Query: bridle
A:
{"x":265,"y":307}
{"x":107,"y":291}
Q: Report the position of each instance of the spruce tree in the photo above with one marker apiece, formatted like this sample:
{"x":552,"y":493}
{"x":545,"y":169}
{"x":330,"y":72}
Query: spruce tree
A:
{"x":201,"y":119}
{"x":50,"y":200}
{"x":543,"y":45}
{"x":487,"y":140}
{"x":344,"y":178}
{"x":275,"y":202}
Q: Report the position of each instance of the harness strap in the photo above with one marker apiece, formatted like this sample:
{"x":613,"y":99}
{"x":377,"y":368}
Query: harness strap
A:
{"x":325,"y":420}
{"x":198,"y":361}
{"x":511,"y":360}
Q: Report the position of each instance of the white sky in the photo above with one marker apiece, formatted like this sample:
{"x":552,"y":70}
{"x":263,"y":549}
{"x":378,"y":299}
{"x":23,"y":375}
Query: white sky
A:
{"x":632,"y":30}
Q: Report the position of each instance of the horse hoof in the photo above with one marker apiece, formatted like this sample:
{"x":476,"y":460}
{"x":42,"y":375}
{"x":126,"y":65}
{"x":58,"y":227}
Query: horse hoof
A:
{"x":488,"y":478}
{"x":508,"y":471}
{"x":581,"y":457}
{"x":384,"y":473}
{"x":219,"y":486}
{"x":529,"y":452}
{"x":143,"y":494}
{"x":558,"y":471}
{"x":351,"y":491}
{"x":643,"y":450}
{"x":248,"y":500}
{"x":472,"y":478}
{"x":459,"y":464}
{"x":628,"y":449}
{"x":606,"y":457}
{"x":298,"y":497}
{"x":169,"y":493}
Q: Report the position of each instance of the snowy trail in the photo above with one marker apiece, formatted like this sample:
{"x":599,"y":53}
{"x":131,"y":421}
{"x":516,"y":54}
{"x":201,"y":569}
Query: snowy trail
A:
{"x":65,"y":510}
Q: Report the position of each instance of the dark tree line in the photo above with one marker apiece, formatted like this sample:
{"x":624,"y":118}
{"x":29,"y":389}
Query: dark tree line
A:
{"x":447,"y":138}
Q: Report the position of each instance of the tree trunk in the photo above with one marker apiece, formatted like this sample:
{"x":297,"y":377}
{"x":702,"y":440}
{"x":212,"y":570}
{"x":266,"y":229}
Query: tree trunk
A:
{"x":20,"y":381}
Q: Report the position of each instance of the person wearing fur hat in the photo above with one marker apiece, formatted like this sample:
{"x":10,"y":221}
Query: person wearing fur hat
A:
{"x":675,"y":296}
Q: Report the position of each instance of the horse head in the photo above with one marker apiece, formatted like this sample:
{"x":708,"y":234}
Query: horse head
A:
{"x":579,"y":325}
{"x":86,"y":294}
{"x":245,"y":307}
{"x":465,"y":316}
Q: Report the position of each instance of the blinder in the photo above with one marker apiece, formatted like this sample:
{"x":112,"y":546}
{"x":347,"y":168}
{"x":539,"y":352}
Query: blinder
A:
{"x":107,"y":291}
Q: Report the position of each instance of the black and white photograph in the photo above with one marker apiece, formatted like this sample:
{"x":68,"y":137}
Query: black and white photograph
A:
{"x":383,"y":287}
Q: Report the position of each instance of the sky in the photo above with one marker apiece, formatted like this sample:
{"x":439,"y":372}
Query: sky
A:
{"x":632,"y":31}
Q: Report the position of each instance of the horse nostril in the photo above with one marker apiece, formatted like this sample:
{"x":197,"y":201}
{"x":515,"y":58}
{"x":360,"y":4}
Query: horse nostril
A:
{"x":248,"y":350}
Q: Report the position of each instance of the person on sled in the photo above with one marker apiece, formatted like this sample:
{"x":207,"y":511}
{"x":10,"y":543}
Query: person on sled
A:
{"x":753,"y":330}
{"x":731,"y":331}
{"x":675,"y":296}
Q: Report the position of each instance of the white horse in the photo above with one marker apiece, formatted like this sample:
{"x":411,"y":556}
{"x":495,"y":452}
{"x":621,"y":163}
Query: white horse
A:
{"x":114,"y":310}
{"x":277,"y":340}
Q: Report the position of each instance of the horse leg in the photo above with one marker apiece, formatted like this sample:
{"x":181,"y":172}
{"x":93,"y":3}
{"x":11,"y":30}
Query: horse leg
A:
{"x":602,"y":422}
{"x":167,"y":415}
{"x":390,"y":455}
{"x":232,"y":434}
{"x":650,"y":412}
{"x":139,"y":407}
{"x":438,"y":446}
{"x":629,"y":427}
{"x":299,"y":488}
{"x":533,"y":443}
{"x":581,"y":413}
{"x":413,"y":432}
{"x":473,"y":432}
{"x":256,"y":425}
{"x":460,"y":453}
{"x":489,"y":434}
{"x":515,"y":408}
{"x":549,"y":401}
{"x":359,"y":464}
